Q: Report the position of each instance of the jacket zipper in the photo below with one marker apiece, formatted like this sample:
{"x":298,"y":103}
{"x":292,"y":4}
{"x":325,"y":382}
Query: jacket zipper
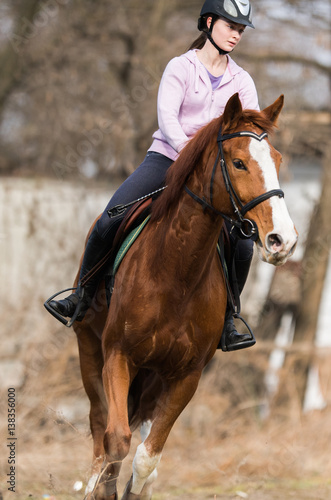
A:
{"x":211,"y":104}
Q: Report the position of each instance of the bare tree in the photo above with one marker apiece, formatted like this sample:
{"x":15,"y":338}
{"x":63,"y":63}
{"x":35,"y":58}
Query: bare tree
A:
{"x":90,"y":70}
{"x":10,"y":56}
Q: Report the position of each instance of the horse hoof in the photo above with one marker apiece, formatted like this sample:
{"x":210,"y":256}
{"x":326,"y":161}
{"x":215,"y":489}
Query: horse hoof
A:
{"x":91,"y":496}
{"x":102,"y":486}
{"x":127,"y":495}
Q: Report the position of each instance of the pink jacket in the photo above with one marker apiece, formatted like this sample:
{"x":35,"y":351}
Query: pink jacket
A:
{"x":186,"y":101}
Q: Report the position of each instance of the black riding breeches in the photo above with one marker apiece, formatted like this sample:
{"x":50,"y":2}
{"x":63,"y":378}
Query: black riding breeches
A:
{"x":148,"y":177}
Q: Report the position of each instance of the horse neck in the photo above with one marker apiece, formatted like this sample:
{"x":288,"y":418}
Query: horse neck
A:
{"x":189,"y":237}
{"x":207,"y":223}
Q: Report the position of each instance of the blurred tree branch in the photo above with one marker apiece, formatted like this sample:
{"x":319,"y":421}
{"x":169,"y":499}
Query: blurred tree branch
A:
{"x":286,"y":58}
{"x":10,"y":56}
{"x":69,"y":67}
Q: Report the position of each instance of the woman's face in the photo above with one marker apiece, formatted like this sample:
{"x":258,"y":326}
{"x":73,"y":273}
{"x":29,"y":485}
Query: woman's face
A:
{"x":226,"y":34}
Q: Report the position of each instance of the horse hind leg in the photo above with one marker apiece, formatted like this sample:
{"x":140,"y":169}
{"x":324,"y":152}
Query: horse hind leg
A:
{"x":150,"y":475}
{"x":147,"y":480}
{"x":146,"y":493}
{"x":170,"y":404}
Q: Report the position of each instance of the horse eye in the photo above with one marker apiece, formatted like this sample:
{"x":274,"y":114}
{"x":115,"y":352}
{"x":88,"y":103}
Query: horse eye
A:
{"x":239,"y":165}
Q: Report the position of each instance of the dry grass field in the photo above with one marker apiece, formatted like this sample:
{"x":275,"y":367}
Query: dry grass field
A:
{"x":220,"y":447}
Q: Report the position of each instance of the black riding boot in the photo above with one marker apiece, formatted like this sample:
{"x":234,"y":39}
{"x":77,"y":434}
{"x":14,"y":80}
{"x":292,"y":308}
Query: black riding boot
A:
{"x":231,"y":340}
{"x":78,"y":302}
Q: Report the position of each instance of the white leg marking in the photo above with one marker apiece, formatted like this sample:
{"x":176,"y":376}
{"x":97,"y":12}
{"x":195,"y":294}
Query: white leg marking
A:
{"x":148,"y":488}
{"x":143,"y":466}
{"x":90,"y":485}
{"x":145,"y":429}
{"x":283,"y":224}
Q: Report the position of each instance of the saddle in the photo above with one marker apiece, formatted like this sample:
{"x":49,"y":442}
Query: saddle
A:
{"x":138,"y":213}
{"x":129,"y":230}
{"x":133,"y":218}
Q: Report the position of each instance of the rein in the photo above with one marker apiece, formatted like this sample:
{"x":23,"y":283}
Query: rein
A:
{"x":247,"y":227}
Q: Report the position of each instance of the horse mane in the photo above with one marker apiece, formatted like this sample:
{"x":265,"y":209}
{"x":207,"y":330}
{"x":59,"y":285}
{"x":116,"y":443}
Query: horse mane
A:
{"x":188,"y":158}
{"x":181,"y":169}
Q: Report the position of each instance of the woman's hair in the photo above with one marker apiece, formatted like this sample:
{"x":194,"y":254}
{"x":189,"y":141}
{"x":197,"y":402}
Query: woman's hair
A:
{"x":199,"y":42}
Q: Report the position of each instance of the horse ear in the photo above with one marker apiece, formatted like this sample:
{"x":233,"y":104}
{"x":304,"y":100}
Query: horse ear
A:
{"x":232,"y":112}
{"x":272,"y":112}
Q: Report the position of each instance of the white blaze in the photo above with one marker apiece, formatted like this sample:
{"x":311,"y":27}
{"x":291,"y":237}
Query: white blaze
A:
{"x":283,"y":225}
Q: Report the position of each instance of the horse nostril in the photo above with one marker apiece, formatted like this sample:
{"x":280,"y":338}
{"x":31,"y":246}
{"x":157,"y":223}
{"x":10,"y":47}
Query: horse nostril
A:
{"x":275,"y":243}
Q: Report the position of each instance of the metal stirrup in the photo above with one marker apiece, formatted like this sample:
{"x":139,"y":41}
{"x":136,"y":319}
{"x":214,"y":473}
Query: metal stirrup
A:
{"x":58,"y":316}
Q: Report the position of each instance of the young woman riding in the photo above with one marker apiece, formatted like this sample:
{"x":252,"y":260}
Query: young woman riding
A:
{"x":194,"y":89}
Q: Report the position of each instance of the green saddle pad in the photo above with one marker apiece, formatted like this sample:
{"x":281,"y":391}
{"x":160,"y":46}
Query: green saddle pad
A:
{"x":127,"y":243}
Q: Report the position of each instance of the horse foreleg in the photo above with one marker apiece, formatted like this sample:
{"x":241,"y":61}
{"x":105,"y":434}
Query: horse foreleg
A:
{"x":117,"y":378}
{"x":91,"y":363}
{"x":103,"y":486}
{"x":171,"y":403}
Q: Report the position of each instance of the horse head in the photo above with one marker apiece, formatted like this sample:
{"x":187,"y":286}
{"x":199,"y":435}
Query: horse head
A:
{"x":250,"y":170}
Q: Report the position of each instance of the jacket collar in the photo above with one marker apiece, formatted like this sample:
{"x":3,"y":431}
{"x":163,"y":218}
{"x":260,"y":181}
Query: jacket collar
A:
{"x":232,"y":69}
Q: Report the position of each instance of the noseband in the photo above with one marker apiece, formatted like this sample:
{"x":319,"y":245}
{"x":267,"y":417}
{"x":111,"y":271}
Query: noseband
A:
{"x":247,"y":227}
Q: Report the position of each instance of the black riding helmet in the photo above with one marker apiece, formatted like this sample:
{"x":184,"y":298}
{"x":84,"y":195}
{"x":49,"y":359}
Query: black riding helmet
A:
{"x":237,"y":11}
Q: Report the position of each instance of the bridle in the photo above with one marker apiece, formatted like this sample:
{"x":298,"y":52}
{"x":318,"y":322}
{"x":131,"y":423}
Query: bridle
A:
{"x":247,"y":228}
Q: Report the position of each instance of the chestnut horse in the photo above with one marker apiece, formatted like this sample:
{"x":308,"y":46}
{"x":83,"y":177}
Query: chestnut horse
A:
{"x":141,"y":360}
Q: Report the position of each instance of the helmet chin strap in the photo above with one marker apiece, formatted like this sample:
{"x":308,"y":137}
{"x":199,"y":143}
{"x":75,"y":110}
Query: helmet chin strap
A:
{"x":210,"y":38}
{"x":221,"y":51}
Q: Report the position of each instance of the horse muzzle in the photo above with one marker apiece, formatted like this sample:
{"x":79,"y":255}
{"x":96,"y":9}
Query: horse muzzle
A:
{"x":277,"y":249}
